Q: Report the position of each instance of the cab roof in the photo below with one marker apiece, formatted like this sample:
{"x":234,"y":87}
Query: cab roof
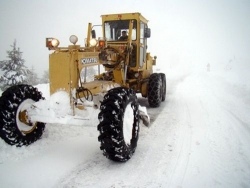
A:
{"x":124,"y":16}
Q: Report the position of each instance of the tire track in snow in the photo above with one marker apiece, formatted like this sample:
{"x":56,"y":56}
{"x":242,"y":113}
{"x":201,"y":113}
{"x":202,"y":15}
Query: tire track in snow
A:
{"x":189,"y":143}
{"x":99,"y":171}
{"x":179,"y":133}
{"x":85,"y":174}
{"x":180,"y":160}
{"x":223,"y":136}
{"x":152,"y":157}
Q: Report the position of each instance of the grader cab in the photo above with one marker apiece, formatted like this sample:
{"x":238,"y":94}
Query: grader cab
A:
{"x":109,"y":71}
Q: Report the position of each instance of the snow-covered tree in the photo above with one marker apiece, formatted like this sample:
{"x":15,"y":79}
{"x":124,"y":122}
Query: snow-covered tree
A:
{"x":45,"y":77}
{"x":32,"y":77}
{"x":14,"y":70}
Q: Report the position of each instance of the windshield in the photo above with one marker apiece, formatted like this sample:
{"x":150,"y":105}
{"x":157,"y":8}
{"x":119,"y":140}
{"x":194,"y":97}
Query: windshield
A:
{"x":118,"y":30}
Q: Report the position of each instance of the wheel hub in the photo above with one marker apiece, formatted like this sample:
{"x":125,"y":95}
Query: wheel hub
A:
{"x":23,"y":117}
{"x":24,"y":125}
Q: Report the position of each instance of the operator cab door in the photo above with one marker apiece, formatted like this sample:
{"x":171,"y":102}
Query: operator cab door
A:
{"x":143,"y":42}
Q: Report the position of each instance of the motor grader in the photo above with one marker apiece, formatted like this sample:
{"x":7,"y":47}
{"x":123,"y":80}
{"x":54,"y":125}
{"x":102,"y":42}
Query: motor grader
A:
{"x":123,"y":69}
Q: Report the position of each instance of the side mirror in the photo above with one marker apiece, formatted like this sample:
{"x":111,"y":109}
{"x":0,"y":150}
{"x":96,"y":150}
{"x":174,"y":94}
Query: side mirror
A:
{"x":147,"y":32}
{"x":93,"y":34}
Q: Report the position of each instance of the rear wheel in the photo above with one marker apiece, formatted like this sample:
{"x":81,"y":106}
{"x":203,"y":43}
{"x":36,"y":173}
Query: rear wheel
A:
{"x":119,"y":124}
{"x":155,"y":90}
{"x":15,"y":127}
{"x":164,"y":86}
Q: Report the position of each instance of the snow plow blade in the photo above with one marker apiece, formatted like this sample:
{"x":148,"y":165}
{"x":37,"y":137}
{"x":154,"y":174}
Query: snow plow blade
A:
{"x":144,"y":116}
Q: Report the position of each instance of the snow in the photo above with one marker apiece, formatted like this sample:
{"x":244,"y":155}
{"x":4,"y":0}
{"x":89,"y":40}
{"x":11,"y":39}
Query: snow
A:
{"x":128,"y":123}
{"x":199,"y":137}
{"x":57,"y":109}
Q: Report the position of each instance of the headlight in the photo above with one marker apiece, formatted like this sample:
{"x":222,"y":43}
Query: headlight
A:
{"x":73,"y":39}
{"x":93,"y":42}
{"x":55,"y":42}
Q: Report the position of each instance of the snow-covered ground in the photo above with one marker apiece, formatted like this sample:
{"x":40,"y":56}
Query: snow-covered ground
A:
{"x":199,"y":137}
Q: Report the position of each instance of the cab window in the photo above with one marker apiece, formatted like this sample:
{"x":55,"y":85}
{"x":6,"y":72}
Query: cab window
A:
{"x":116,"y":30}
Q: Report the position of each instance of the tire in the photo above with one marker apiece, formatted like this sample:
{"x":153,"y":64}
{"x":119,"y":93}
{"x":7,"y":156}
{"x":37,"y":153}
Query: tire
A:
{"x":119,"y":124}
{"x":164,"y":86}
{"x":13,"y":130}
{"x":155,"y":90}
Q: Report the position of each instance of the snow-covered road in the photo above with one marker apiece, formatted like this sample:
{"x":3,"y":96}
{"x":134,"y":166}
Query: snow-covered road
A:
{"x":199,"y":137}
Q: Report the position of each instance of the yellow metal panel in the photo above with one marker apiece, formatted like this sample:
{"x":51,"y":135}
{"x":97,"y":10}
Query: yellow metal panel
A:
{"x":63,"y":74}
{"x":59,"y":72}
{"x":144,"y":89}
{"x":119,"y":77}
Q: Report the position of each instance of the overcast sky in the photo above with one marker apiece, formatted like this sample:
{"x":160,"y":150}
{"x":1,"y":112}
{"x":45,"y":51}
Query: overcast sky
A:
{"x":185,"y":33}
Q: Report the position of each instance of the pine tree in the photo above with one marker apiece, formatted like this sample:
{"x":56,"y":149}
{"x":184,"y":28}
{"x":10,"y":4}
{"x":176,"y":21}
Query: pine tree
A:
{"x":45,"y":77}
{"x":14,"y":70}
{"x":32,"y":77}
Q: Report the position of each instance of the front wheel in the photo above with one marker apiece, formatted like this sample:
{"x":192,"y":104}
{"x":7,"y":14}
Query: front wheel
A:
{"x":15,"y":127}
{"x":119,"y":124}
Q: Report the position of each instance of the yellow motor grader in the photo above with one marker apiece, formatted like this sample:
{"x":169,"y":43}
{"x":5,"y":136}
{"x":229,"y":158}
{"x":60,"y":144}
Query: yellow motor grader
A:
{"x":120,"y":67}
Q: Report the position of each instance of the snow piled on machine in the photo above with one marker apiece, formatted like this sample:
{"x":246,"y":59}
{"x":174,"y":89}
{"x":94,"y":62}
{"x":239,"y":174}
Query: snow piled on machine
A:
{"x":57,"y":109}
